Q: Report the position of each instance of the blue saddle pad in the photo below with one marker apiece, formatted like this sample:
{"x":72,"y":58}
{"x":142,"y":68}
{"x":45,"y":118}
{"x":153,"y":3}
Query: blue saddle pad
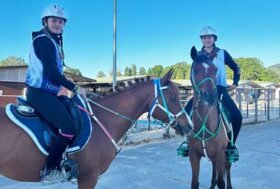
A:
{"x":39,"y":131}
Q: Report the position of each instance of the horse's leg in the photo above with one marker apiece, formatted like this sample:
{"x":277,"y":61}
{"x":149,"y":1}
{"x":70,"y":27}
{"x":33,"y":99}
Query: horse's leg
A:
{"x":228,"y":166}
{"x":220,"y":164}
{"x":195,"y":163}
{"x":214,"y":175}
{"x":87,"y":182}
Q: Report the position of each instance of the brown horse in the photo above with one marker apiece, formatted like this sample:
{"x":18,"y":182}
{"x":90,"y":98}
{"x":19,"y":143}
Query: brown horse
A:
{"x":22,"y":161}
{"x":208,"y":138}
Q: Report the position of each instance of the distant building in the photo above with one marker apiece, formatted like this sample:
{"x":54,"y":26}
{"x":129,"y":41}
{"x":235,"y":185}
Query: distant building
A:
{"x":12,"y":82}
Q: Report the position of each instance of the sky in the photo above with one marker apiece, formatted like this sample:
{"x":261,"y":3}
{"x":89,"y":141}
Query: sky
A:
{"x":149,"y":32}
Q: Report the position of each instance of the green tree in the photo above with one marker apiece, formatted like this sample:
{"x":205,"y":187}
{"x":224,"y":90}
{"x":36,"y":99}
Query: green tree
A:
{"x":142,"y":71}
{"x":180,"y":74}
{"x":149,"y":71}
{"x":73,"y":71}
{"x":181,"y":70}
{"x":101,"y":74}
{"x":127,"y":71}
{"x":156,"y":70}
{"x":12,"y":61}
{"x":133,"y":70}
{"x":118,"y":72}
{"x":251,"y":68}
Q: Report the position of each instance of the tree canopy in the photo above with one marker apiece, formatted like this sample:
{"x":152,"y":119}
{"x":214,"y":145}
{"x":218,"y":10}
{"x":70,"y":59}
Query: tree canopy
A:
{"x":251,"y":69}
{"x":12,"y":61}
{"x":73,"y":71}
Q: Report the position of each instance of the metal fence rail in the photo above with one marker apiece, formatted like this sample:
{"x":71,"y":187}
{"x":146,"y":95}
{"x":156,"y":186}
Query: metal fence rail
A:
{"x":259,"y":109}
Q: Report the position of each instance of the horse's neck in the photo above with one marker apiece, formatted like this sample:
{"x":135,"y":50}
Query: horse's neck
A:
{"x":131,"y":103}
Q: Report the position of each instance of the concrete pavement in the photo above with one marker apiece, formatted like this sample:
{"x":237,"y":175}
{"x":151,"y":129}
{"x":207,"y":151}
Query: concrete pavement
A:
{"x":156,"y":165}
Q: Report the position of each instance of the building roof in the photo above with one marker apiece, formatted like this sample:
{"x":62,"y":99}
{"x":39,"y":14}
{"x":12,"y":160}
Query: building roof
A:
{"x":75,"y":78}
{"x":269,"y":84}
{"x":15,"y":66}
{"x":248,"y":84}
{"x":109,"y":80}
{"x":78,"y":78}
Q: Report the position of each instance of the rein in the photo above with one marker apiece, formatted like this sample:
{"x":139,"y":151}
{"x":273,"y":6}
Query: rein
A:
{"x":157,"y":90}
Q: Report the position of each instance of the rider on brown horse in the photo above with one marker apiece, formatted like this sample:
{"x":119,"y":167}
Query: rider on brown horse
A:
{"x":220,"y":58}
{"x":46,"y":84}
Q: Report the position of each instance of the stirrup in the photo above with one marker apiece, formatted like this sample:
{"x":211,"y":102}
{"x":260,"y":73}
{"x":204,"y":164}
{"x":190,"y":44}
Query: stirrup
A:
{"x":232,"y":155}
{"x":69,"y":170}
{"x":50,"y":177}
{"x":183,"y":149}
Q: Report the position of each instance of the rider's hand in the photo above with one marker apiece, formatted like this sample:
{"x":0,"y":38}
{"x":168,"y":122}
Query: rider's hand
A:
{"x":64,"y":92}
{"x":231,"y":87}
{"x":79,"y":90}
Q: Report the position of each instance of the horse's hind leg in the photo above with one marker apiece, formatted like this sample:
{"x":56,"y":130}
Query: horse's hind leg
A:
{"x":195,"y":160}
{"x":228,"y":166}
{"x":220,"y":164}
{"x":214,"y":175}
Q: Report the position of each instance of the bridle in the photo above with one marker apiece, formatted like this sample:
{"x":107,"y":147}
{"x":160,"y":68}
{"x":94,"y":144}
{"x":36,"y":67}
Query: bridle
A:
{"x":158,"y":91}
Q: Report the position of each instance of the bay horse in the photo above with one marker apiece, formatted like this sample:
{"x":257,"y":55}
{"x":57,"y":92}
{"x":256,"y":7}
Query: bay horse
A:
{"x":20,"y":159}
{"x":208,"y":138}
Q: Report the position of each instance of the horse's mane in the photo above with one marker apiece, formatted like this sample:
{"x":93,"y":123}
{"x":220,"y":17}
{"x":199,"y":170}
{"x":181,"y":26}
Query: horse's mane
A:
{"x":124,"y":86}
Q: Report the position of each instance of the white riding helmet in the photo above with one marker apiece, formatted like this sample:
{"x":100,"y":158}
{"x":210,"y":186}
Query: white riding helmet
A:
{"x":55,"y":11}
{"x":208,"y":30}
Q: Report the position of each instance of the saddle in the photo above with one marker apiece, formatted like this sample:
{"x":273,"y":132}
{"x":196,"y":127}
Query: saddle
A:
{"x":226,"y":117}
{"x":40,"y":130}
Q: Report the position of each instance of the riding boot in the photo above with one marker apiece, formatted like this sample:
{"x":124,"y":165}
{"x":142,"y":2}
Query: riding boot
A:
{"x":51,"y":174}
{"x":183,"y":149}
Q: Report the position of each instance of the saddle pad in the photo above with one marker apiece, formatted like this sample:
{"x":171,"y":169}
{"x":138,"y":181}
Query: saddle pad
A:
{"x":36,"y":128}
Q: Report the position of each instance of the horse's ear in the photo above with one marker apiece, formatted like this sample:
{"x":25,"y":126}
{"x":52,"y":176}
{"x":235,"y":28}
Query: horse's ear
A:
{"x":166,"y":78}
{"x":193,"y":52}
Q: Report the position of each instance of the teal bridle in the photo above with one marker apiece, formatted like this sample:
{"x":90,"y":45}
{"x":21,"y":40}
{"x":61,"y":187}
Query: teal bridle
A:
{"x":173,"y":118}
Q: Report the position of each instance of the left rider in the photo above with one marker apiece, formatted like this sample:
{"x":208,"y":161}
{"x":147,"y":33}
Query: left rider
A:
{"x":46,"y":83}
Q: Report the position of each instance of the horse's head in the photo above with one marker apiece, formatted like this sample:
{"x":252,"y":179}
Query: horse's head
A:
{"x":166,"y":105}
{"x":203,"y":78}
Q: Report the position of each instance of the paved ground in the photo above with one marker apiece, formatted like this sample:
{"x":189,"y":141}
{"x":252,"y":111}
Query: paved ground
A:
{"x":156,"y":165}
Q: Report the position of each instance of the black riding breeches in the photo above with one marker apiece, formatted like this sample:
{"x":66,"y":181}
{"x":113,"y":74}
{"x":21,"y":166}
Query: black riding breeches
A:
{"x":52,"y":109}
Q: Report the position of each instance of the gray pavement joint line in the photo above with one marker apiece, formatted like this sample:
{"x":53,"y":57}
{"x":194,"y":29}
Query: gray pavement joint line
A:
{"x":260,"y":151}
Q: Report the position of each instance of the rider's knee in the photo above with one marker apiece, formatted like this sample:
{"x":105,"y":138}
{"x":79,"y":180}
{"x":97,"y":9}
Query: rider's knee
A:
{"x":65,"y":138}
{"x":69,"y":131}
{"x":237,"y":117}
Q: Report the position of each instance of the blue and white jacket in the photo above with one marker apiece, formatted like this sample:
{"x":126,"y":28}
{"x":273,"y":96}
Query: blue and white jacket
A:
{"x":45,"y":69}
{"x":221,"y":58}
